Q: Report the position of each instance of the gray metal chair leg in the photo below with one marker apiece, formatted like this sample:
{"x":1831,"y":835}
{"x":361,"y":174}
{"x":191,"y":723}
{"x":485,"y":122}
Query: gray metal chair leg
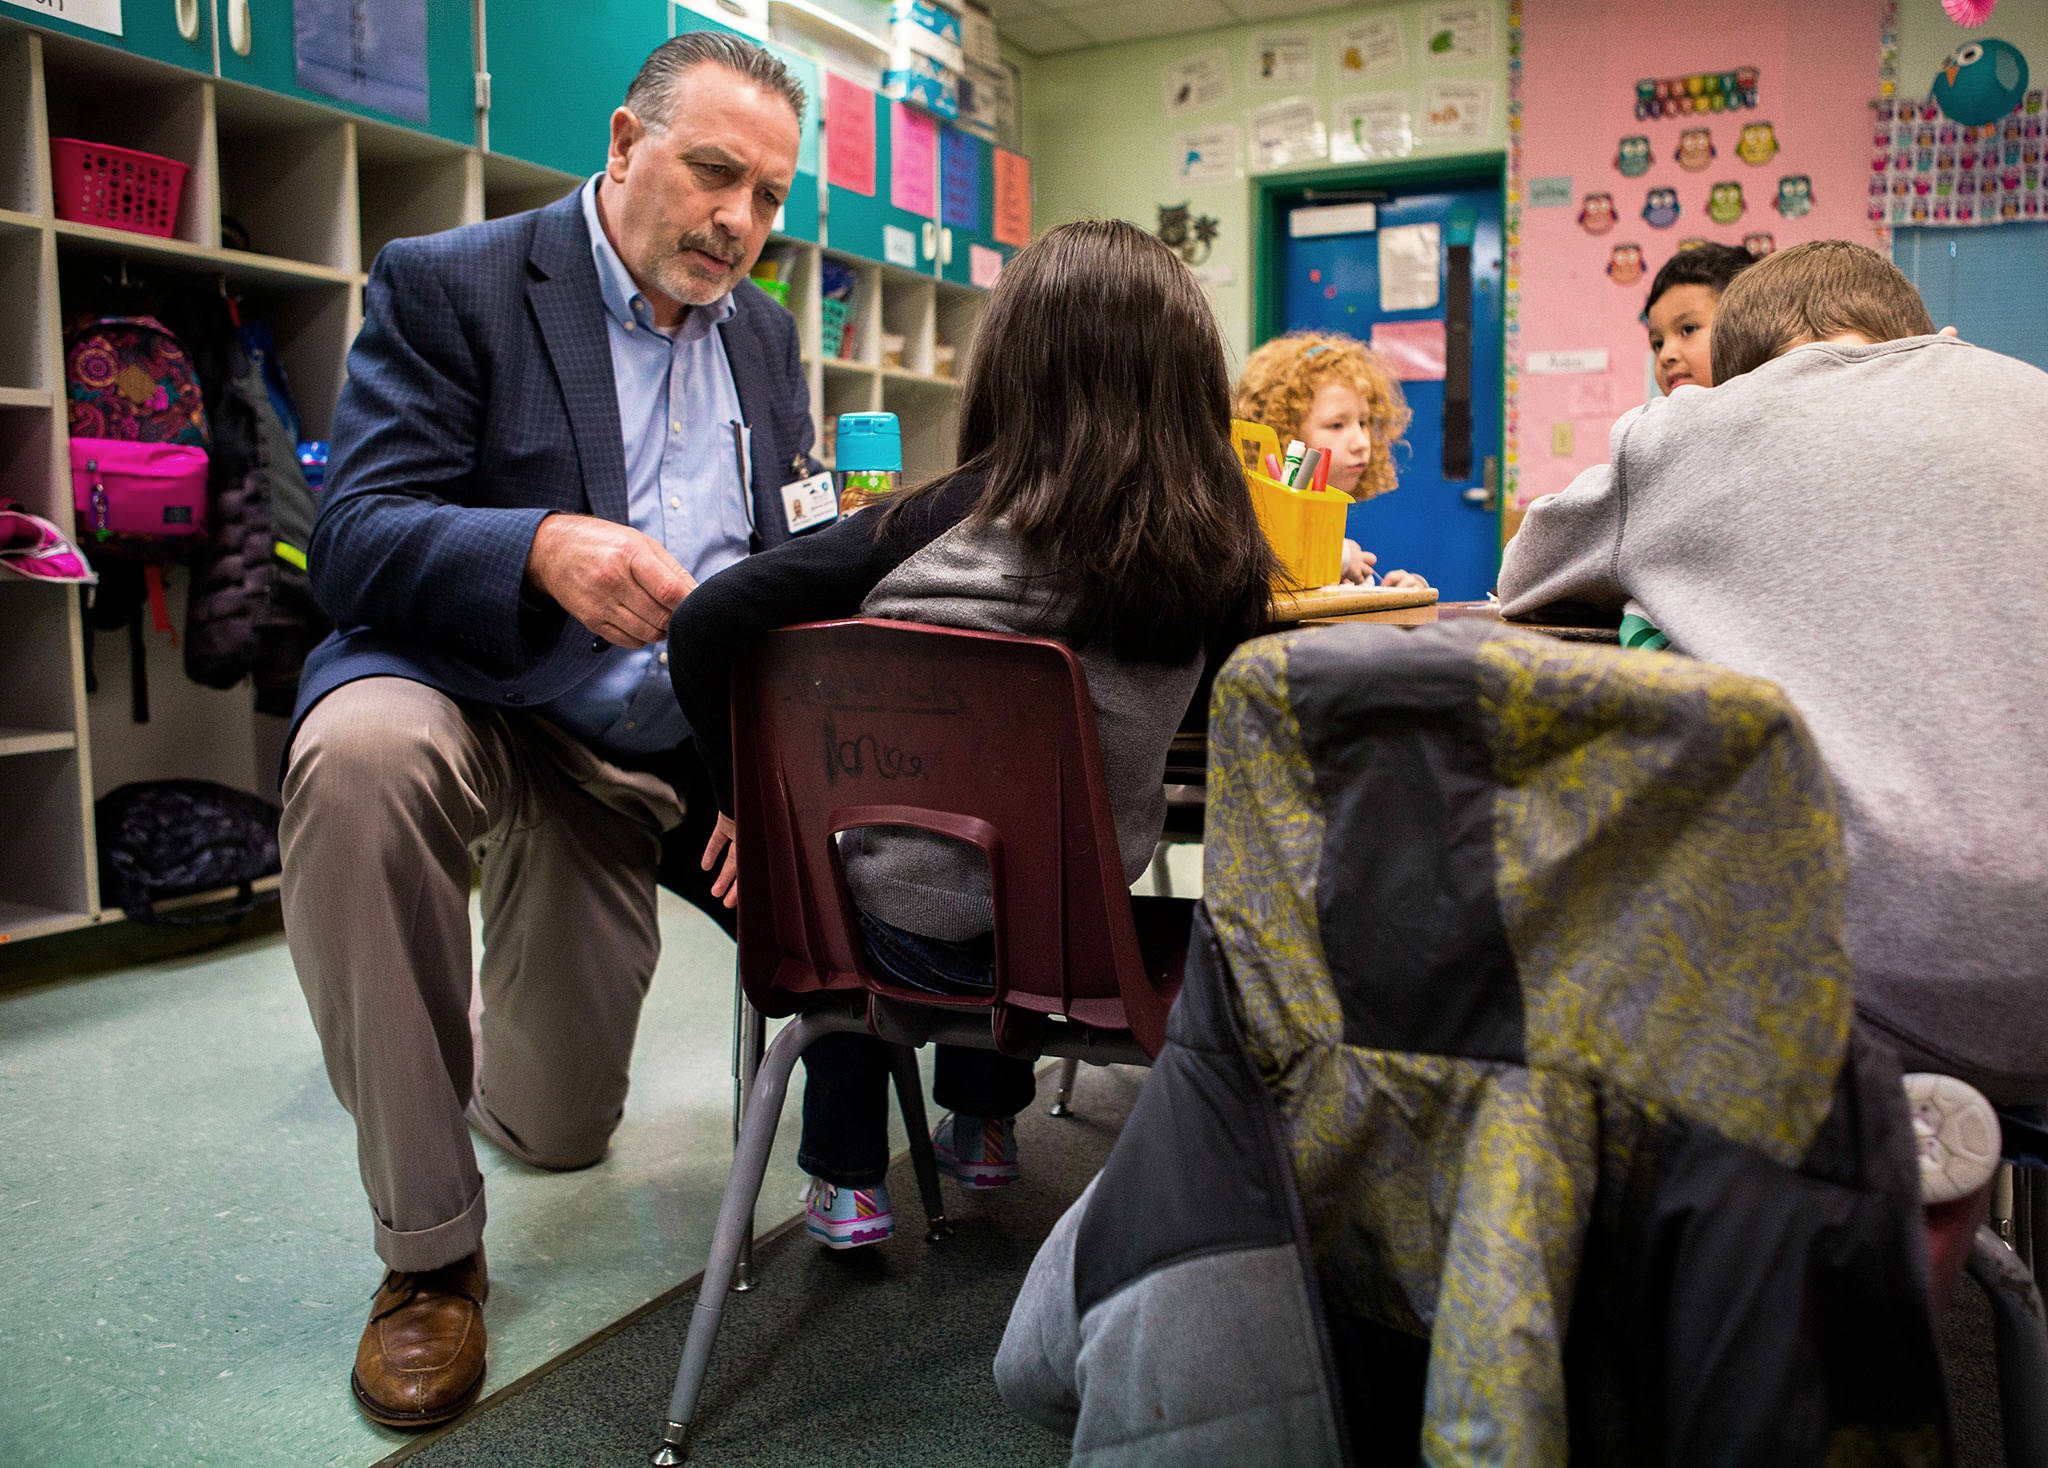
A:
{"x":1069,"y":1069}
{"x":735,"y":1223}
{"x":2021,"y":1342}
{"x":753,"y":1033}
{"x":910,"y":1096}
{"x":1162,"y":875}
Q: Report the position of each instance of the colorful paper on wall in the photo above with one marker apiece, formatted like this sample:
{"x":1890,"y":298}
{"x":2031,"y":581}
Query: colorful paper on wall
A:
{"x":984,"y":266}
{"x":1462,"y":32}
{"x":369,"y":52}
{"x":1456,"y":112}
{"x":1286,"y":133}
{"x":1283,"y":61}
{"x":1554,"y":192}
{"x":1373,"y":127}
{"x":959,"y":181}
{"x":913,"y":160}
{"x":899,"y":246}
{"x":1206,"y":156}
{"x":1196,"y":82}
{"x":849,"y":135}
{"x":1370,"y":48}
{"x":1013,"y":198}
{"x":1413,"y":349}
{"x":1411,"y":260}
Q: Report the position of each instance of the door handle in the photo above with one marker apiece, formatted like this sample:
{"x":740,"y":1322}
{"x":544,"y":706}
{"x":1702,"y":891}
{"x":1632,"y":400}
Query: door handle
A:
{"x":238,"y":26}
{"x":1486,"y":494}
{"x":931,"y":239}
{"x":945,"y":247}
{"x":188,"y":19}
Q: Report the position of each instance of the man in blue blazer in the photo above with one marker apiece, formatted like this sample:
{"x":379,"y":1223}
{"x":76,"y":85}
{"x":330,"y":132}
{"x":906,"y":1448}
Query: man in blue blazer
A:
{"x":554,"y":426}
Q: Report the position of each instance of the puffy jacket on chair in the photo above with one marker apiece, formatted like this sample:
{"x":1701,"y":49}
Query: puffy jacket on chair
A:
{"x":1512,"y":1112}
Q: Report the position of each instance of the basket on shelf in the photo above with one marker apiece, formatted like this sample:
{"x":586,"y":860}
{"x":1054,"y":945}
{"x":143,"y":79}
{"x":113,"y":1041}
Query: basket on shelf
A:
{"x":832,"y":331}
{"x":778,"y":290}
{"x":97,"y":183}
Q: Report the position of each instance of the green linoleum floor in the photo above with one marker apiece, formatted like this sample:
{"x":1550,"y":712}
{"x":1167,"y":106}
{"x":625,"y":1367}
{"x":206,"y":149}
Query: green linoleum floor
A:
{"x":189,"y":1245}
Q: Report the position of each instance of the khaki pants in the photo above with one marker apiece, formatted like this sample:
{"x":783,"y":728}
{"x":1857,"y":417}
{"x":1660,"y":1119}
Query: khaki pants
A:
{"x":394,"y":794}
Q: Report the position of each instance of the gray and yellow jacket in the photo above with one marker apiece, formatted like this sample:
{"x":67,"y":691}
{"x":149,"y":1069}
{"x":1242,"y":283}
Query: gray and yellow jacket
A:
{"x":1512,"y":1112}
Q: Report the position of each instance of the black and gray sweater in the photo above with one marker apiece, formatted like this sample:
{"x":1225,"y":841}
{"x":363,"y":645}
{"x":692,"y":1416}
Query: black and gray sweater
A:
{"x":928,"y":564}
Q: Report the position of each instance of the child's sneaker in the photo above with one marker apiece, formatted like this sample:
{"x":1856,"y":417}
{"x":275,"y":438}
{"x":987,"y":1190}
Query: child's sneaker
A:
{"x":1957,"y":1135}
{"x":846,"y":1218}
{"x":981,"y":1153}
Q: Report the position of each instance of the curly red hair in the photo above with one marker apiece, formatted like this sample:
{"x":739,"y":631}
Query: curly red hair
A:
{"x":1280,"y":381}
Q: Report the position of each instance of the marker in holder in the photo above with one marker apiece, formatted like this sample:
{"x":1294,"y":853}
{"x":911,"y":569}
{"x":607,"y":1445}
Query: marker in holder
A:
{"x":1305,"y":527}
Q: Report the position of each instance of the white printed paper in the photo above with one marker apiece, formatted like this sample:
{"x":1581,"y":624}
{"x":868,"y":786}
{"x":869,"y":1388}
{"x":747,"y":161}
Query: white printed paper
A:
{"x":1561,"y":364}
{"x":1283,"y":61}
{"x":1370,"y":128}
{"x":1286,"y":133}
{"x":98,"y":15}
{"x":899,"y":246}
{"x":1462,"y":32}
{"x":1210,"y":275}
{"x":984,"y":266}
{"x":1206,"y":156}
{"x":1368,"y":49}
{"x":1410,"y":262}
{"x":1196,"y":82}
{"x":1456,"y":112}
{"x":1315,"y":220}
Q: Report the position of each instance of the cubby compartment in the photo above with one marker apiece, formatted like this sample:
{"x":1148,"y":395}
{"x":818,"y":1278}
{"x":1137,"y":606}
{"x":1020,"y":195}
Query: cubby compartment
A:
{"x":313,"y":323}
{"x":845,"y":390}
{"x":36,"y":692}
{"x":907,"y":315}
{"x":411,"y":185}
{"x":858,"y":285}
{"x":25,"y":367}
{"x":511,"y":186}
{"x":287,"y":179}
{"x":104,"y":96}
{"x":22,"y":152}
{"x":41,"y":819}
{"x":27,"y":453}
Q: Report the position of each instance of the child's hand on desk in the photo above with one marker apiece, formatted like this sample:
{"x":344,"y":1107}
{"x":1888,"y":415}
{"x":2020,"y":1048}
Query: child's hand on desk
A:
{"x":1358,"y":564}
{"x":1403,"y":578}
{"x":726,"y":884}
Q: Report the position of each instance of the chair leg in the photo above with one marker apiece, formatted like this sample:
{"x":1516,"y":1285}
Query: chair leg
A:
{"x":753,"y":1033}
{"x":1162,"y":875}
{"x":910,"y":1096}
{"x":2021,"y":1342}
{"x":1069,"y":1069}
{"x":735,"y":1217}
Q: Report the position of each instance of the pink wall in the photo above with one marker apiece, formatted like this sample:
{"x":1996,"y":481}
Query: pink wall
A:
{"x":1818,"y":65}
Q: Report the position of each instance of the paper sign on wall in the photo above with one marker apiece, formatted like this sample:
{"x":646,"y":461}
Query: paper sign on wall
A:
{"x":1554,"y":192}
{"x":959,"y":181}
{"x":899,"y":246}
{"x":1283,"y":61}
{"x":1206,"y":156}
{"x":1013,"y":199}
{"x":369,"y":52}
{"x":1372,"y":127}
{"x":98,"y":15}
{"x":1286,"y":133}
{"x":1196,"y":82}
{"x":1462,"y":32}
{"x":984,"y":266}
{"x":1560,"y":364}
{"x":1370,"y":48}
{"x":913,"y":160}
{"x":1413,"y":349}
{"x":1456,"y":112}
{"x":1410,"y":261}
{"x":849,"y":135}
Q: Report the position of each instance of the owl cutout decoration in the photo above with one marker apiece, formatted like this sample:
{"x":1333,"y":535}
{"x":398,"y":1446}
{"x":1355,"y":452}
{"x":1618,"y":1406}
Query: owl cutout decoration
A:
{"x":1625,"y":264}
{"x":1724,"y":202}
{"x":1660,"y":208}
{"x":1596,"y":214}
{"x":1690,"y":242}
{"x":1758,"y":144}
{"x":1695,"y":149}
{"x":1632,"y":156}
{"x":1759,"y":245}
{"x":1980,"y":82}
{"x":1795,"y":196}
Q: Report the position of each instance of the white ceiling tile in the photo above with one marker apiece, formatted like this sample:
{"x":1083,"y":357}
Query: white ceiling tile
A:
{"x":1284,"y":9}
{"x":1139,"y":18}
{"x":1042,"y":34}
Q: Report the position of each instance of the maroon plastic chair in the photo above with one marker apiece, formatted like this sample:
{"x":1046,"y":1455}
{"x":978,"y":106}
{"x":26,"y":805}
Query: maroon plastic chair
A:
{"x":989,"y":739}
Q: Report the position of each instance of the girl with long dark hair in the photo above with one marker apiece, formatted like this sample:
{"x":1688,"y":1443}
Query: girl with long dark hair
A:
{"x":1098,"y":501}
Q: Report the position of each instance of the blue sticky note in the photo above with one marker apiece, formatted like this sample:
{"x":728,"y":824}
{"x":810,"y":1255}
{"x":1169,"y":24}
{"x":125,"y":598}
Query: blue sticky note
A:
{"x":369,"y":52}
{"x":959,"y":180}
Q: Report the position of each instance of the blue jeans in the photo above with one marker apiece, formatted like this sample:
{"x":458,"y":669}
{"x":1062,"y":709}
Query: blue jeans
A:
{"x":846,"y":1076}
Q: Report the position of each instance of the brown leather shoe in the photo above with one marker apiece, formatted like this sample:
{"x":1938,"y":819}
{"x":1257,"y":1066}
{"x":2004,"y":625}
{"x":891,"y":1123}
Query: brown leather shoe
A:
{"x":422,"y":1355}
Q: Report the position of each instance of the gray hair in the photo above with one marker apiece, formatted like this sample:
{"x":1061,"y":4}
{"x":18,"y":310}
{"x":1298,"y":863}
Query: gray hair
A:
{"x":652,"y":96}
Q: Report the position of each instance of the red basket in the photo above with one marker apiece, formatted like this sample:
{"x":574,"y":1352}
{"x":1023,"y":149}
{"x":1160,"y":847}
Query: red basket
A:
{"x":97,"y":183}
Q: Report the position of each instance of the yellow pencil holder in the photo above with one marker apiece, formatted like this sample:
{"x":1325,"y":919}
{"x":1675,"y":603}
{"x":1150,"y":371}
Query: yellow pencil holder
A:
{"x":1305,"y":528}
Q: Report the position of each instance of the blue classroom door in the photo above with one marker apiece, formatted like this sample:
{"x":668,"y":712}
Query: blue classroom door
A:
{"x":1444,"y":525}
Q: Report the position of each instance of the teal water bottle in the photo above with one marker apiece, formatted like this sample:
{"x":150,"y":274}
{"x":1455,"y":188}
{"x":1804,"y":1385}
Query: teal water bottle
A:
{"x":868,"y":459}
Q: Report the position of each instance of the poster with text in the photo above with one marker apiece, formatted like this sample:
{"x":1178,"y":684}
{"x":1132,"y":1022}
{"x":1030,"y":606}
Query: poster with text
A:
{"x":959,"y":181}
{"x":1205,"y":156}
{"x":913,"y":160}
{"x":1196,"y":82}
{"x":1368,"y":49}
{"x":1411,"y":262}
{"x":1283,"y":61}
{"x":1370,"y":128}
{"x":1013,"y":199}
{"x":1286,"y":133}
{"x":849,"y":135}
{"x":369,"y":52}
{"x":1462,"y":32}
{"x":98,"y":15}
{"x":1456,"y":112}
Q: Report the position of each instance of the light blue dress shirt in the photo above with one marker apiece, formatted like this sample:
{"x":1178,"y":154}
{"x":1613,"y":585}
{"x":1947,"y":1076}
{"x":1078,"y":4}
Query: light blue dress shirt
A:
{"x":685,"y":487}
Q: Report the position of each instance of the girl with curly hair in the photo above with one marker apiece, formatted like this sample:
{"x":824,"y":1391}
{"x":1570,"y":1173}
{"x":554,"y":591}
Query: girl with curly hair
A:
{"x":1333,"y":394}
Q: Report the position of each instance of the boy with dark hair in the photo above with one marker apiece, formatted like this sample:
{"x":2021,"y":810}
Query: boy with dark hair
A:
{"x":1679,"y":314}
{"x":1859,"y":511}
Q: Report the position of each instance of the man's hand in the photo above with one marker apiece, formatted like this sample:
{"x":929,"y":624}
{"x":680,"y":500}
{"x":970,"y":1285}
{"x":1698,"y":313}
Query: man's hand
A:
{"x":726,"y":885}
{"x":619,"y":583}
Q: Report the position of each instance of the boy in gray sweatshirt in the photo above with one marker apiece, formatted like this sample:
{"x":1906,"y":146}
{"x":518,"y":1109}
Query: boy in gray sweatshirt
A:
{"x":1859,"y":512}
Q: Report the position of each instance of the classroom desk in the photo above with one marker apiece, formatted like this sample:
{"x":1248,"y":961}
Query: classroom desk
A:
{"x":1187,"y":757}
